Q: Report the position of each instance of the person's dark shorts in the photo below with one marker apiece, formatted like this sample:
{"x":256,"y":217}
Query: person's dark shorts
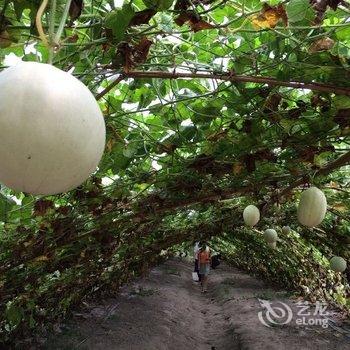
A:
{"x":196,"y":268}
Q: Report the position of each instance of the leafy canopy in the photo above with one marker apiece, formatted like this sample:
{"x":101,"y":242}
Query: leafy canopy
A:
{"x":210,"y":106}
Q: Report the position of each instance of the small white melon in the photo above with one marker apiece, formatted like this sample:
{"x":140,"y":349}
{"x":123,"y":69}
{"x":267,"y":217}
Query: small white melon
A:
{"x":270,"y":235}
{"x":251,"y":215}
{"x":338,"y":264}
{"x":286,"y":230}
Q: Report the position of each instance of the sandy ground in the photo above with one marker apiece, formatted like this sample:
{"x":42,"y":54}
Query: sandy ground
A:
{"x":166,"y":311}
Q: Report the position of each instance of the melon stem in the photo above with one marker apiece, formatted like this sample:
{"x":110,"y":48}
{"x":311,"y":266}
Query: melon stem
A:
{"x":62,"y":23}
{"x":52,"y":29}
{"x":38,"y":23}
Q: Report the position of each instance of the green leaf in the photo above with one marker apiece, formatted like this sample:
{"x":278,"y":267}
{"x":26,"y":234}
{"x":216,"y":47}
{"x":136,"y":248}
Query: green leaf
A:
{"x":165,"y":23}
{"x":6,"y":204}
{"x":300,"y":10}
{"x":21,"y":5}
{"x":30,"y":57}
{"x":188,"y":132}
{"x":342,"y":102}
{"x":158,"y":4}
{"x":119,"y":160}
{"x":13,"y":314}
{"x":130,"y":150}
{"x":343,"y":33}
{"x":118,"y":20}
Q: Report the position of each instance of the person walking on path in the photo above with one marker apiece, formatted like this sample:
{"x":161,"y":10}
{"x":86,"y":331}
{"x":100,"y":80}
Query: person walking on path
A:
{"x":204,"y":265}
{"x":195,"y":252}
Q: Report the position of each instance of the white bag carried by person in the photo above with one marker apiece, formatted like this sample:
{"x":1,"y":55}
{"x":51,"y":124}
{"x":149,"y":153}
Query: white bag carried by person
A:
{"x":195,"y":276}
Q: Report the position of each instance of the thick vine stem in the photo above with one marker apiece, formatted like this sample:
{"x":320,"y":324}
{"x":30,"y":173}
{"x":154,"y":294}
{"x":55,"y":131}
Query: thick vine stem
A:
{"x":52,"y":28}
{"x":62,"y":23}
{"x":231,"y":76}
{"x":257,"y":231}
{"x":38,"y":23}
{"x":227,"y":76}
{"x":52,"y":19}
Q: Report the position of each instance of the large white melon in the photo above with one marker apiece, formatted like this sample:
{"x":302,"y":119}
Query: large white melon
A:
{"x":312,"y":207}
{"x":286,"y":230}
{"x":52,"y":131}
{"x":251,"y":215}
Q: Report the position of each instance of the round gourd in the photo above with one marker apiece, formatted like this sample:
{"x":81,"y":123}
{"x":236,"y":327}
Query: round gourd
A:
{"x":312,"y":207}
{"x":272,"y":245}
{"x":338,"y":264}
{"x":52,"y":132}
{"x":251,"y":215}
{"x":270,"y":235}
{"x":286,"y":230}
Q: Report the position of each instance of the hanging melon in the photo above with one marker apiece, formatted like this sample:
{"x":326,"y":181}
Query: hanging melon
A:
{"x":286,"y":230}
{"x":312,"y":207}
{"x":52,"y":131}
{"x":338,"y":264}
{"x":251,"y":215}
{"x":270,"y":235}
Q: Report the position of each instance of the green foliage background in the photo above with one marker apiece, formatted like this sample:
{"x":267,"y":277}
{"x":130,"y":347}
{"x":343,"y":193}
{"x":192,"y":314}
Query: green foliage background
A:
{"x":183,"y":156}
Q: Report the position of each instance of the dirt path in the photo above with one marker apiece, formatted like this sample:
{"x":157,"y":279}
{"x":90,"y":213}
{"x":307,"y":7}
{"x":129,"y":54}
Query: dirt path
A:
{"x":166,"y":311}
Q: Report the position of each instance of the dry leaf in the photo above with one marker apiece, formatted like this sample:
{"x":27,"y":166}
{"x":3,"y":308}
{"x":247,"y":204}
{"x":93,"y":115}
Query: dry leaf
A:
{"x":64,"y":210}
{"x":343,"y":117}
{"x":5,"y":40}
{"x":319,"y":101}
{"x":41,"y":258}
{"x":249,"y":162}
{"x":323,"y":44}
{"x":110,"y":145}
{"x":142,"y":17}
{"x":141,"y":50}
{"x":340,"y":207}
{"x":73,"y":39}
{"x":216,"y":136}
{"x":75,"y":9}
{"x":131,"y":55}
{"x":237,"y":168}
{"x":270,"y":16}
{"x":28,"y":243}
{"x":41,"y":207}
{"x":194,"y":21}
{"x":320,"y":7}
{"x":272,"y":102}
{"x":124,"y":54}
